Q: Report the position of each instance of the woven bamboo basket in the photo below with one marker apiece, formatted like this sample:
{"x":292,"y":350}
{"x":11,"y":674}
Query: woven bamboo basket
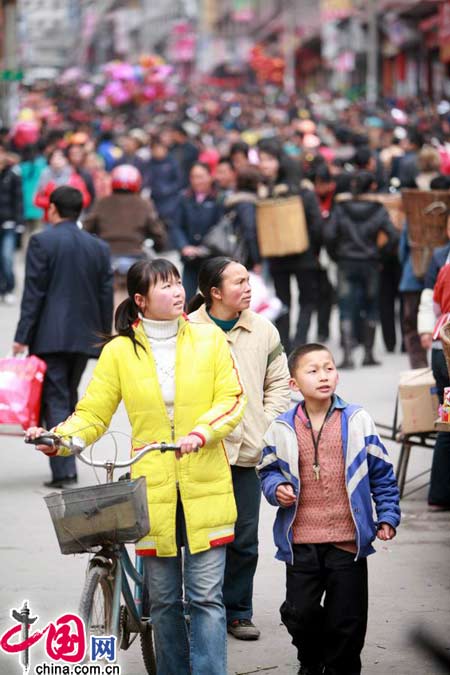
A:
{"x":281,"y":227}
{"x":427,"y":213}
{"x":393,"y":204}
{"x":444,"y":334}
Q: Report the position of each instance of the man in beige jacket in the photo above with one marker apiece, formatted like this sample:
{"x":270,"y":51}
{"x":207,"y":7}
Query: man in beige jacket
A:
{"x":255,"y":343}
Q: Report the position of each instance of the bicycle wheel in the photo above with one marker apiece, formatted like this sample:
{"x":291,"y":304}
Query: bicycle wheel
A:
{"x":146,"y":637}
{"x":96,"y":602}
{"x":148,"y":650}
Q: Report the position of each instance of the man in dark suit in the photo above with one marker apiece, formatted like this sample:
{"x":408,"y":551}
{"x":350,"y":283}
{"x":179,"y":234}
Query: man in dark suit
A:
{"x":67,"y":303}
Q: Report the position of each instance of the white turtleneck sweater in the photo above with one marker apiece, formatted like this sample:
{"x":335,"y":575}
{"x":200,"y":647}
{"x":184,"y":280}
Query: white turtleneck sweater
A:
{"x":162,"y":336}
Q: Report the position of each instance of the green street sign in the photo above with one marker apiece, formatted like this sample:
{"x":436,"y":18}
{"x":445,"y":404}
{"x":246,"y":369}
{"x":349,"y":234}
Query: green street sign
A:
{"x":11,"y":75}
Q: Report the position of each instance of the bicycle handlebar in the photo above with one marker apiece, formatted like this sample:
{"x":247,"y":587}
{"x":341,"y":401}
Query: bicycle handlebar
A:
{"x":53,"y":440}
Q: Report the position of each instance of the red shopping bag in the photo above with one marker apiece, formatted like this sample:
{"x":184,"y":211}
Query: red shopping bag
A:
{"x":21,"y":381}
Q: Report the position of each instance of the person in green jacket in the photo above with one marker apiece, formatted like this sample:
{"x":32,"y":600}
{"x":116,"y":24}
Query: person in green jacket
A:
{"x":31,"y":168}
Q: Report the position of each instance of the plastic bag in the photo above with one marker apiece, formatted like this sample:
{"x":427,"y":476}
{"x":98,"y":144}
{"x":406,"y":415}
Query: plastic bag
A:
{"x":21,"y":381}
{"x":264,"y":301}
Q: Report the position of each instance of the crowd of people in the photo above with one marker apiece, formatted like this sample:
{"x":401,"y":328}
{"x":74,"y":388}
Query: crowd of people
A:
{"x":183,"y":176}
{"x":219,"y":379}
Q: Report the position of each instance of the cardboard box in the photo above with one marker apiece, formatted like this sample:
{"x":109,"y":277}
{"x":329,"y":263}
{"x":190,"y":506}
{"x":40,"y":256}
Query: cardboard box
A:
{"x":418,"y":399}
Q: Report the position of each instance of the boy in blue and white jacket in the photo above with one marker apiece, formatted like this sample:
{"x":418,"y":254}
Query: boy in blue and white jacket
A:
{"x":325,"y":466}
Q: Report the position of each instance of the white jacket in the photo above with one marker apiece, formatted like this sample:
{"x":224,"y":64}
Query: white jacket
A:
{"x":426,"y":316}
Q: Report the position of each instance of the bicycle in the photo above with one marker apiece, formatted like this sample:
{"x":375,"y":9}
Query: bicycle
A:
{"x":108,"y":571}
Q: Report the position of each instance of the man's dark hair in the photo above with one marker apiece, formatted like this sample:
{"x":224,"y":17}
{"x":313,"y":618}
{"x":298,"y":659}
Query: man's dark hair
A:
{"x":361,"y":182}
{"x":155,"y":140}
{"x":68,"y":202}
{"x":299,"y":352}
{"x":323,"y":173}
{"x":362,"y":157}
{"x":248,"y":179}
{"x":440,"y":183}
{"x":225,"y":160}
{"x":360,"y":140}
{"x":239,"y":147}
{"x":179,"y":128}
{"x":415,"y":137}
{"x":343,"y":135}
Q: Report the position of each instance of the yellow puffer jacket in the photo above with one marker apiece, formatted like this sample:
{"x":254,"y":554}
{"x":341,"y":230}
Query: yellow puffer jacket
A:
{"x":209,"y":400}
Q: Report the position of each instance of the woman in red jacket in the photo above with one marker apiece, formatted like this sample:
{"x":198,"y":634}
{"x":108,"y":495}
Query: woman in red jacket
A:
{"x":59,"y":172}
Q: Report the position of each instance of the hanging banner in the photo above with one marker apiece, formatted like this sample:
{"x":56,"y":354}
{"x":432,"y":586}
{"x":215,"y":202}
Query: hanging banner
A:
{"x":444,"y":31}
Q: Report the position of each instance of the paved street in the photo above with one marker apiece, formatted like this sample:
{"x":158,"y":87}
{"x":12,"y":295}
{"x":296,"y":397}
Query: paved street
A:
{"x":409,"y":577}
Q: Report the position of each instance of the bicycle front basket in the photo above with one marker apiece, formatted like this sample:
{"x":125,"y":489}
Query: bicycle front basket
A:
{"x":110,"y":513}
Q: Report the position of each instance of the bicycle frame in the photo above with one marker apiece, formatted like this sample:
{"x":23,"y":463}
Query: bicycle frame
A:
{"x":125,"y":569}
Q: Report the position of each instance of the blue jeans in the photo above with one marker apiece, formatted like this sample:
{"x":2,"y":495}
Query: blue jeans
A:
{"x":202,"y":650}
{"x":358,"y":284}
{"x":242,"y":553}
{"x":7,"y":248}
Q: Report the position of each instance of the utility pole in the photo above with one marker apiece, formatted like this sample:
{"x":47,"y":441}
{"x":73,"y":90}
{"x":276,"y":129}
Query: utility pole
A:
{"x":9,"y":87}
{"x":289,"y":41}
{"x":372,"y":54}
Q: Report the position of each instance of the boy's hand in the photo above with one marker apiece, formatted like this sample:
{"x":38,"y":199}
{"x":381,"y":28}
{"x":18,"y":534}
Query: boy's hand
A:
{"x":285,"y":495}
{"x":385,"y":532}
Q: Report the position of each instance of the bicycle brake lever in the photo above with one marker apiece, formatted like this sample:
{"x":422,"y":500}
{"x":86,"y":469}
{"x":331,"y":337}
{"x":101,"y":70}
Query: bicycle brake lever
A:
{"x":40,"y":441}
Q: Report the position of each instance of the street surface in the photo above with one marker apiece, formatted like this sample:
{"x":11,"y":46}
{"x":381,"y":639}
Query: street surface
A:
{"x":409,"y":577}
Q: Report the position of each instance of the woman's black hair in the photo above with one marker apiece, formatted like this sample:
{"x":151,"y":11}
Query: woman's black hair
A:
{"x":29,"y":152}
{"x":289,"y":170}
{"x":140,"y":277}
{"x":210,"y":276}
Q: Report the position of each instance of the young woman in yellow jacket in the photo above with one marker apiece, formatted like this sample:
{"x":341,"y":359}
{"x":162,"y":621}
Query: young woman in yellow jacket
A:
{"x":179,"y":383}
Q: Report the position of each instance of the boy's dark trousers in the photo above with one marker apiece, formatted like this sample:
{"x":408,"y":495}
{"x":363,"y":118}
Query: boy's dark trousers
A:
{"x":331,"y":635}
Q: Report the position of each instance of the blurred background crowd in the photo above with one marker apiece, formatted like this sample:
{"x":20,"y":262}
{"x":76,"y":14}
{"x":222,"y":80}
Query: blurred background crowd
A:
{"x":238,"y":102}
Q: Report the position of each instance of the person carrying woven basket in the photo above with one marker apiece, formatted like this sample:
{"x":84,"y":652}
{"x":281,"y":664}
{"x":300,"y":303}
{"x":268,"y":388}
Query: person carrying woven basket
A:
{"x":351,"y":238}
{"x":281,"y":179}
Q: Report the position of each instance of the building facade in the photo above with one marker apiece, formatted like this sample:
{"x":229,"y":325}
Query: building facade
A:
{"x":49,"y":33}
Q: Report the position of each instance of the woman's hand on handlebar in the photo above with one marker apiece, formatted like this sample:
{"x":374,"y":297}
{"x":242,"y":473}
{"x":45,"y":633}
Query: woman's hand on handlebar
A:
{"x":189,"y":443}
{"x":35,"y":432}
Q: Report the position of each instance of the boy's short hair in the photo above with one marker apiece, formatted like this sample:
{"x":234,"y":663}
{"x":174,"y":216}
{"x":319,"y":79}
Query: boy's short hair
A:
{"x":299,"y":352}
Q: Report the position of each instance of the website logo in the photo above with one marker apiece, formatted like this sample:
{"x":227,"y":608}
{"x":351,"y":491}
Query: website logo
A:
{"x":65,"y":642}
